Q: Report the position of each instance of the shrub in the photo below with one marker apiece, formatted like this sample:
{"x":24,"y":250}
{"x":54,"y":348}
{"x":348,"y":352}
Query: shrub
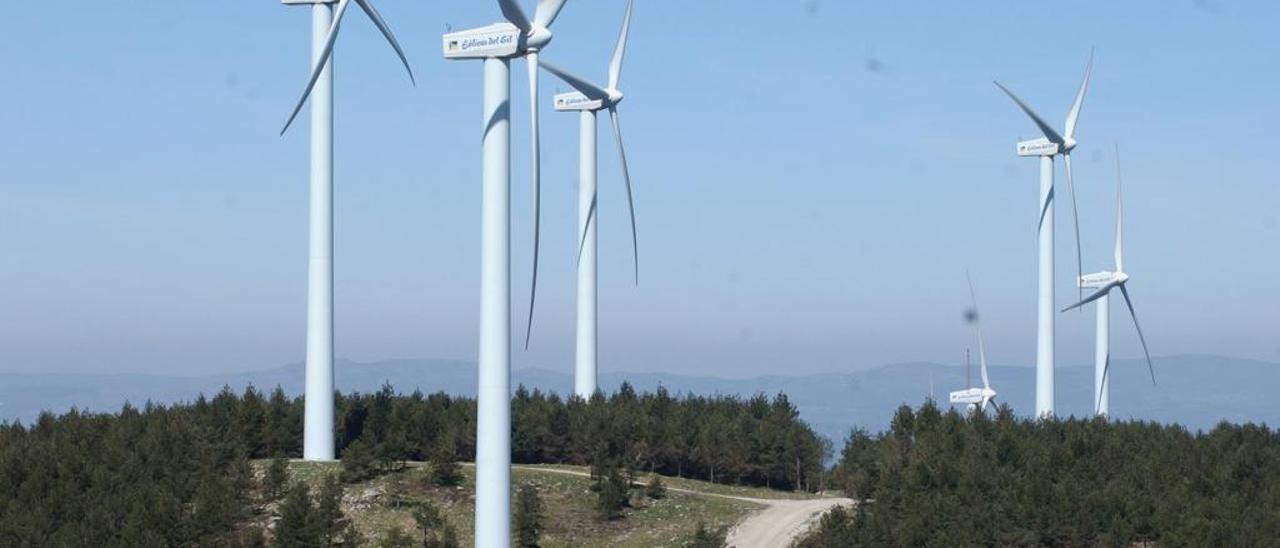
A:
{"x":706,"y":538}
{"x":655,"y":489}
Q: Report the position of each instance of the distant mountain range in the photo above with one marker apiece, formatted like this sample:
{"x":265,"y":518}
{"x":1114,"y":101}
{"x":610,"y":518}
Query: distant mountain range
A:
{"x":1197,"y":391}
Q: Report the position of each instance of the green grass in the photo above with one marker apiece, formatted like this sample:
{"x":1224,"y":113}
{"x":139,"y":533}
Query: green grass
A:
{"x":570,"y":518}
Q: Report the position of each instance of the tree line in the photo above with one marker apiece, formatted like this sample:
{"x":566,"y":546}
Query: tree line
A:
{"x":949,"y":479}
{"x":177,"y":475}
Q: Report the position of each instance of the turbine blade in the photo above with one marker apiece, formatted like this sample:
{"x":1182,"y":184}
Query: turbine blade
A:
{"x":1132,"y":314}
{"x":537,"y":189}
{"x":977,"y":324}
{"x":1106,"y":370}
{"x":326,"y":54}
{"x":584,"y":87}
{"x":1075,"y":216}
{"x":982,"y":358}
{"x":1074,"y":115}
{"x":1097,"y":295}
{"x":591,"y":217}
{"x":1044,"y":208}
{"x":511,"y":10}
{"x":386,"y":32}
{"x":1048,"y":131}
{"x":547,"y":12}
{"x":1119,"y":253}
{"x":631,"y":204}
{"x":620,"y":50}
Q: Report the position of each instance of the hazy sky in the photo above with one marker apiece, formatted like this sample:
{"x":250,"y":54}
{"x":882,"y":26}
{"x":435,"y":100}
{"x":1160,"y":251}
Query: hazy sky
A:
{"x":813,"y":177}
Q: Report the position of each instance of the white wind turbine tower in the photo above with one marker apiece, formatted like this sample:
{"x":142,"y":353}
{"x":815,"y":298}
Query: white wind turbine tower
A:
{"x":497,"y":45}
{"x":326,"y":18}
{"x":1104,"y":282}
{"x":589,"y":99}
{"x":976,"y":398}
{"x":1052,"y":144}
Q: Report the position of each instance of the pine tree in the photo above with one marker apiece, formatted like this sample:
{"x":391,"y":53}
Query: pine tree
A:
{"x":445,"y":471}
{"x":436,"y":530}
{"x":357,"y":463}
{"x":331,"y":521}
{"x":215,"y":506}
{"x":282,"y":426}
{"x":612,"y":495}
{"x":298,"y":526}
{"x":528,"y":517}
{"x":276,"y":479}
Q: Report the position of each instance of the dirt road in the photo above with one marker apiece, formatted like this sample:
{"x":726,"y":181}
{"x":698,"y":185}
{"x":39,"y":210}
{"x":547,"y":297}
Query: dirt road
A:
{"x":781,"y":522}
{"x":776,"y":525}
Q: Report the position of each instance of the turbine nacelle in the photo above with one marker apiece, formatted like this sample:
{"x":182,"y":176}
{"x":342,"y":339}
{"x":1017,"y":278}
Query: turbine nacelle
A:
{"x":576,"y":100}
{"x":1039,"y":147}
{"x":973,"y":397}
{"x":516,"y":37}
{"x":1097,"y":280}
{"x":500,"y":40}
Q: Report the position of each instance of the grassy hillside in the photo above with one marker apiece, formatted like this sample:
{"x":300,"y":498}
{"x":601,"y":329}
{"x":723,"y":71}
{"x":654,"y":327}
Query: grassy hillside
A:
{"x":379,"y":505}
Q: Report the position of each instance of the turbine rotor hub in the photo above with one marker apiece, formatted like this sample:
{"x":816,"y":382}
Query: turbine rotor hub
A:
{"x":537,"y":39}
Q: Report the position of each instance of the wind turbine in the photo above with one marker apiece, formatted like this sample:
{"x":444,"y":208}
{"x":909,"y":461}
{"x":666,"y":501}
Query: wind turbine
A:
{"x":590,"y":99}
{"x":1052,"y":144}
{"x":326,"y":18}
{"x":1104,"y":282}
{"x":976,"y":398}
{"x":497,"y":45}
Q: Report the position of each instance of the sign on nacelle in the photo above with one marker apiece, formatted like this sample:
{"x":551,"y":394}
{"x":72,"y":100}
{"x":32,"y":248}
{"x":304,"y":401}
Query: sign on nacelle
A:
{"x":1038,"y":147}
{"x":575,"y":100}
{"x":498,"y":40}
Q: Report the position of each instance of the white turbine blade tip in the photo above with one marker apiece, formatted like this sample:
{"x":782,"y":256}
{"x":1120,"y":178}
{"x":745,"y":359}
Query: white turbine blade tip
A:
{"x":1074,"y":115}
{"x":620,"y":50}
{"x":385,"y":29}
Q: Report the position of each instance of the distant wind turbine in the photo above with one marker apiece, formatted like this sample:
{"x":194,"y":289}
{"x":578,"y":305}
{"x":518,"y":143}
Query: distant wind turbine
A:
{"x":326,"y":18}
{"x":588,"y":100}
{"x":976,"y":398}
{"x":497,"y":45}
{"x":1052,"y":144}
{"x":1104,"y":282}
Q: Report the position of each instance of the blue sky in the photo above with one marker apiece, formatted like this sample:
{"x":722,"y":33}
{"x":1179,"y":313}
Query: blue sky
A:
{"x":798,"y":210}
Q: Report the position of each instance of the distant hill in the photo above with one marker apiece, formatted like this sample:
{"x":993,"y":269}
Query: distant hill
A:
{"x":1194,"y":390}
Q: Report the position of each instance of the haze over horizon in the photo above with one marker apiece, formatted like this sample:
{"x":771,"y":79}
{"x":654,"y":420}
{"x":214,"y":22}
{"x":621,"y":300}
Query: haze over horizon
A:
{"x":815,"y":212}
